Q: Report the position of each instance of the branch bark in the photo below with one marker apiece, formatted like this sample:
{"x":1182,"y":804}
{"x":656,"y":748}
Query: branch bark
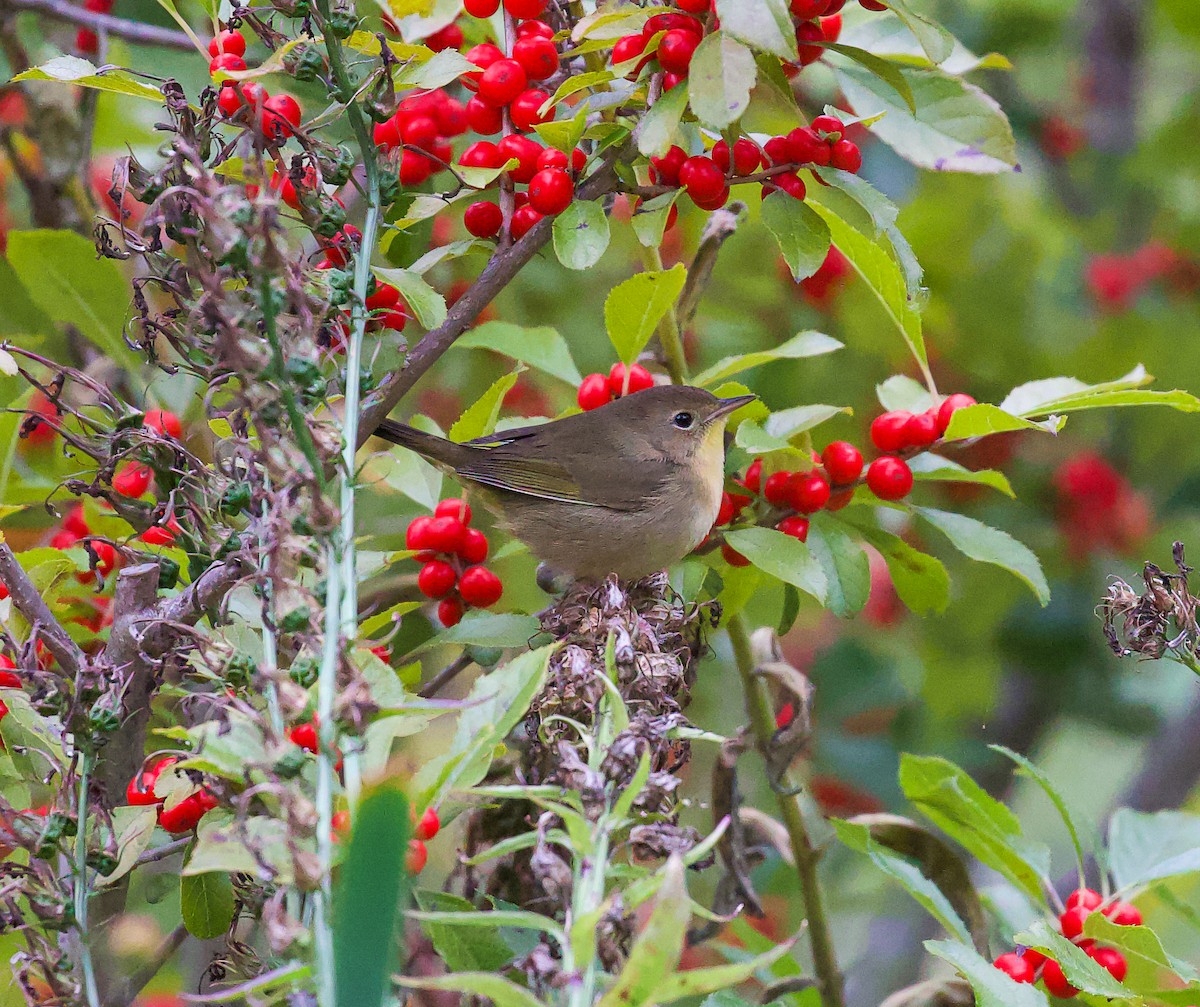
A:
{"x":29,"y":603}
{"x":133,"y":31}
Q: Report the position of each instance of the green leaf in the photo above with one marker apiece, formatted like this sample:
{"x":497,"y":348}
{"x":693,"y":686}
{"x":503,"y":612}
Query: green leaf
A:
{"x":427,"y":304}
{"x":372,"y":888}
{"x":440,"y":69}
{"x":207,"y":904}
{"x":1080,"y":970}
{"x":226,"y":748}
{"x":847,"y":570}
{"x":774,"y":433}
{"x":887,"y":72}
{"x":81,"y":73}
{"x":992,"y":987}
{"x":650,"y":217}
{"x":928,"y":467}
{"x":69,"y":283}
{"x":926,"y":849}
{"x":480,"y":418}
{"x":889,"y":37}
{"x":581,"y":234}
{"x":802,"y":235}
{"x":581,"y":82}
{"x":20,"y":315}
{"x":990,"y":545}
{"x":921,"y":580}
{"x":956,"y":126}
{"x":935,"y":40}
{"x":224,"y":845}
{"x":964,"y":811}
{"x":540,"y":346}
{"x":783,"y":557}
{"x":802,"y":345}
{"x":635,"y":306}
{"x":487,"y":629}
{"x":715,"y":978}
{"x":883,"y":276}
{"x":46,"y":568}
{"x":984,"y":419}
{"x":1038,"y":397}
{"x":1145,"y":847}
{"x":655,"y":954}
{"x":720,"y":78}
{"x":134,"y":828}
{"x":502,"y":992}
{"x":476,"y":949}
{"x":1083,"y":834}
{"x":1184,"y":402}
{"x":1139,"y":944}
{"x":764,"y":24}
{"x":563,"y":134}
{"x":658,"y":128}
{"x":900,"y":392}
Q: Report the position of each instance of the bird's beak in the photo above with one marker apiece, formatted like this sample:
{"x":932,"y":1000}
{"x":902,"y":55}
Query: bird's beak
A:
{"x":728,"y":406}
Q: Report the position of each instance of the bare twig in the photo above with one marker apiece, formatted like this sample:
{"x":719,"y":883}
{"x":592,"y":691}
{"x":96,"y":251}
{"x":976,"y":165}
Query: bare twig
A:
{"x":720,"y":226}
{"x":445,"y":676}
{"x":133,"y":31}
{"x":29,"y":603}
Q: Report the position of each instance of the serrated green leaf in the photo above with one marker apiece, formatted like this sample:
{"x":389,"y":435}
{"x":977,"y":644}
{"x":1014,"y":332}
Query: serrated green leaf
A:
{"x":440,"y":69}
{"x":206,"y":903}
{"x":934,"y":39}
{"x":1037,"y":397}
{"x":764,"y":24}
{"x":1145,"y":847}
{"x":990,"y":545}
{"x":783,"y":557}
{"x":720,"y":78}
{"x":540,"y":346}
{"x":478,"y":948}
{"x":480,"y":418}
{"x":1141,"y":944}
{"x":650,"y":218}
{"x":920,"y":580}
{"x":802,"y":235}
{"x":1080,"y":970}
{"x":800,"y":346}
{"x":81,"y":73}
{"x":427,"y":304}
{"x":887,"y":72}
{"x":984,"y":419}
{"x":658,"y":128}
{"x":847,"y":570}
{"x":992,"y":987}
{"x":581,"y":234}
{"x":928,"y":467}
{"x":635,"y":306}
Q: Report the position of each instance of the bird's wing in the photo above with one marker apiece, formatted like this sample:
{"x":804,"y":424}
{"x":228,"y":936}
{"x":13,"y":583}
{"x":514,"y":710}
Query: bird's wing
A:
{"x":535,"y":477}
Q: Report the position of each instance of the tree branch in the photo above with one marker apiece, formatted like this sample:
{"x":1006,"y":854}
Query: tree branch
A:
{"x":133,"y":31}
{"x":189,"y":607}
{"x":720,"y":226}
{"x":29,"y":603}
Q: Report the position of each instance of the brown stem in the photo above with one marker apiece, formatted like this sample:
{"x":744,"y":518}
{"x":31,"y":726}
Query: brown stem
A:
{"x":29,"y":603}
{"x":762,"y":720}
{"x":140,"y":979}
{"x":133,"y":31}
{"x":720,"y":226}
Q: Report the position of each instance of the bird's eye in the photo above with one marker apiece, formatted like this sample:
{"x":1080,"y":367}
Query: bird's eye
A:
{"x":684,"y":420}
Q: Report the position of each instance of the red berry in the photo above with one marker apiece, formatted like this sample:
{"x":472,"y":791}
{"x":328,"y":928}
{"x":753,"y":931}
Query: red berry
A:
{"x":305,"y":736}
{"x":419,"y":130}
{"x":523,"y":218}
{"x":386,"y":134}
{"x":951,"y":405}
{"x":417,"y":855}
{"x":445,"y":534}
{"x":846,"y":155}
{"x":789,"y":182}
{"x":733,"y":557}
{"x":875,"y":5}
{"x":806,"y":10}
{"x":484,"y":118}
{"x":843,"y":461}
{"x":229,"y":101}
{"x":140,"y":789}
{"x":450,"y":611}
{"x":1124,"y":914}
{"x":809,"y":491}
{"x":451,"y":117}
{"x":1015,"y":967}
{"x":747,"y":158}
{"x":281,"y":115}
{"x":483,"y":56}
{"x":665,"y":169}
{"x":526,"y":112}
{"x":340,"y":824}
{"x":593,"y":392}
{"x":1072,"y":921}
{"x":1035,"y":958}
{"x":502,"y":82}
{"x":694,"y":6}
{"x":450,"y":37}
{"x":725,"y":512}
{"x":525,"y":150}
{"x":227,"y":62}
{"x":481,"y":154}
{"x":805,"y":147}
{"x":132,"y":479}
{"x":538,"y":56}
{"x":786,"y":714}
{"x":669,"y":22}
{"x":777,"y":489}
{"x":474,"y":548}
{"x":828,"y":124}
{"x":889,"y":478}
{"x":385,"y":296}
{"x":534,"y":28}
{"x":162,"y":534}
{"x":186,"y":815}
{"x":620,"y":382}
{"x":627,"y":48}
{"x":428,"y":827}
{"x":417,"y":536}
{"x":480,"y":587}
{"x":808,"y":32}
{"x":551,"y":191}
{"x":228,"y":41}
{"x":888,"y":430}
{"x":676,"y":48}
{"x":483,"y":219}
{"x":753,"y":477}
{"x":455,"y":507}
{"x":921,"y":430}
{"x":436,"y":579}
{"x":1110,"y":959}
{"x":702,"y":178}
{"x":831,"y":27}
{"x":1056,"y":982}
{"x":1084,"y":897}
{"x":794,"y":525}
{"x":481,"y":8}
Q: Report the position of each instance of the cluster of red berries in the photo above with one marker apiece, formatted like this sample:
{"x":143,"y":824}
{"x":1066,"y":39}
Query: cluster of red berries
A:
{"x":73,"y":530}
{"x":1098,"y":508}
{"x":1116,"y":280}
{"x":1028,"y":965}
{"x":453,"y":555}
{"x":826,"y":283}
{"x":707,"y":178}
{"x":181,"y":817}
{"x":598,"y":389}
{"x":276,"y":116}
{"x":424,"y":829}
{"x":86,"y":40}
{"x":836,"y":471}
{"x":678,"y":37}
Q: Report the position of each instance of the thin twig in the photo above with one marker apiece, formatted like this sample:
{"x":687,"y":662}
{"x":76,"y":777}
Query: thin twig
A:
{"x":29,"y":602}
{"x":132,"y":31}
{"x":163,"y":852}
{"x":140,"y":979}
{"x":720,"y":226}
{"x":445,"y":676}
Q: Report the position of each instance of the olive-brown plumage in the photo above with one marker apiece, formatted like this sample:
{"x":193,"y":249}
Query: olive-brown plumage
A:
{"x":628,"y":488}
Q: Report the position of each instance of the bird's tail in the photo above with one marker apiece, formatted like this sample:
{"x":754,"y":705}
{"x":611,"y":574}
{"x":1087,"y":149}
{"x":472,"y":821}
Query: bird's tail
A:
{"x":436,"y":449}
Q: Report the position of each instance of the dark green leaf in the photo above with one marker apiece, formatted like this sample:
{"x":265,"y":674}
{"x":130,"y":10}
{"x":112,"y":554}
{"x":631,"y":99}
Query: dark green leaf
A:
{"x":847,"y":570}
{"x":921,"y":580}
{"x":992,"y":987}
{"x":800,"y":346}
{"x":802,"y":235}
{"x":1080,"y":970}
{"x":475,"y":949}
{"x":781,"y":556}
{"x":539,"y":346}
{"x":207,"y":904}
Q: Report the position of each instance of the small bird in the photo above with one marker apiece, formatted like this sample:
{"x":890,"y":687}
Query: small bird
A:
{"x":628,"y":488}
